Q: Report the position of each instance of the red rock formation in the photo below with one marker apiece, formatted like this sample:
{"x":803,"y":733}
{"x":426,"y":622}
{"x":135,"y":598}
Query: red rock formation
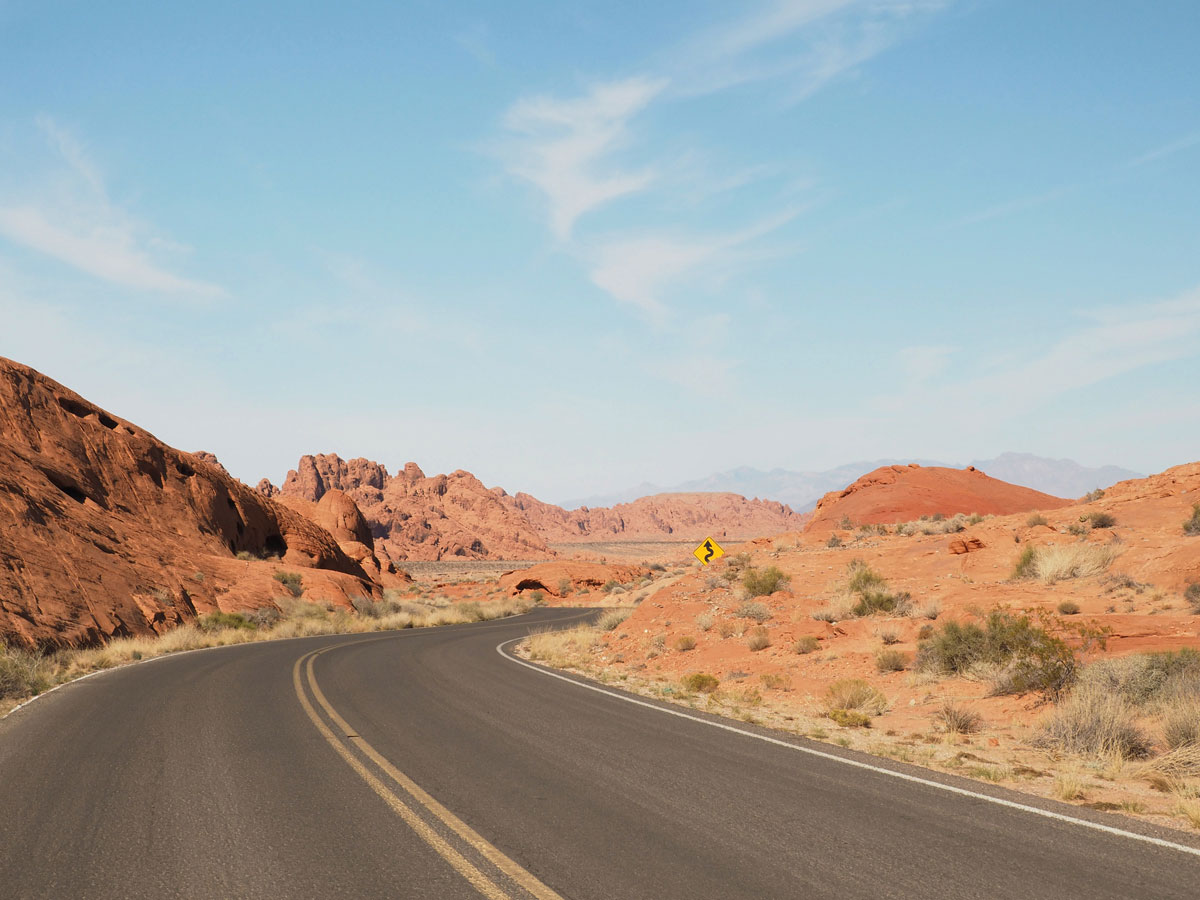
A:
{"x":551,"y":578}
{"x":108,"y":531}
{"x":415,"y":517}
{"x":660,"y":517}
{"x":903,"y":493}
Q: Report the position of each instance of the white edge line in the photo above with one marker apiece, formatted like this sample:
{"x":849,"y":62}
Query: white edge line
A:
{"x":903,"y":776}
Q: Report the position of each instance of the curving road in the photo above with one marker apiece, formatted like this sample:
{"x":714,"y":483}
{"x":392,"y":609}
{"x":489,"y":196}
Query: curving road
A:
{"x":425,"y":764}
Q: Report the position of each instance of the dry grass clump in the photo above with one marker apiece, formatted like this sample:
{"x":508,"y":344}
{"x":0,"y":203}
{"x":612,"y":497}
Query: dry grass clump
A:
{"x":954,"y":719}
{"x":755,"y":610}
{"x":891,"y":661}
{"x":685,"y":642}
{"x":758,"y":638}
{"x":855,"y":694}
{"x":1059,"y":562}
{"x":1092,"y":722}
{"x":23,"y":673}
{"x":1191,"y":526}
{"x":562,"y":648}
{"x":704,"y":621}
{"x":807,"y":644}
{"x":608,"y":621}
{"x":701,"y":683}
{"x":1036,"y":518}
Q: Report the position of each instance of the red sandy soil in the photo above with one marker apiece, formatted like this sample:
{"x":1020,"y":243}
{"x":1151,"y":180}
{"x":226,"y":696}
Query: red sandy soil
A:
{"x":893,"y":494}
{"x":681,"y":516}
{"x":107,"y":531}
{"x":1153,"y":552}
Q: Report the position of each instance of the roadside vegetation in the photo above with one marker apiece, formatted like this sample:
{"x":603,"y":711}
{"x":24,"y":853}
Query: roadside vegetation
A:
{"x":25,"y":673}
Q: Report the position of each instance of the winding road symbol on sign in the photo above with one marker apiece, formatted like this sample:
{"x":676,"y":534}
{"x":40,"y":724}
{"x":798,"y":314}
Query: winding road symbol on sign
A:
{"x":708,"y":551}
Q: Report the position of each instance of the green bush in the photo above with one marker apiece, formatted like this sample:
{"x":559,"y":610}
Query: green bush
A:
{"x":1192,"y":525}
{"x":1024,"y":656}
{"x":215,"y":621}
{"x":863,"y":578}
{"x":849,"y":718}
{"x":1026,"y":566}
{"x":701,"y":682}
{"x":760,"y":583}
{"x":872,"y":602}
{"x":292,"y":581}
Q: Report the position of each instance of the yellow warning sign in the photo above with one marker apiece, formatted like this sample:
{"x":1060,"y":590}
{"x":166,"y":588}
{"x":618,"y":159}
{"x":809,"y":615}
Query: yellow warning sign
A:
{"x":708,"y":551}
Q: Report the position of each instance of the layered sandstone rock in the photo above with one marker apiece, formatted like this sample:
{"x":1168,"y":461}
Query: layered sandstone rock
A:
{"x":688,"y":516}
{"x":412,"y":516}
{"x":893,"y":494}
{"x":105,"y":530}
{"x":556,"y":580}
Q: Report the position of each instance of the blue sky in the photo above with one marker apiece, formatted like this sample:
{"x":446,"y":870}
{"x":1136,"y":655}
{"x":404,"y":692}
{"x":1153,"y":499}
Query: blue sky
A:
{"x":576,"y":246}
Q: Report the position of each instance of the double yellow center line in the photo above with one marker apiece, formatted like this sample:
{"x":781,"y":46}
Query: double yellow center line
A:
{"x":453,"y":839}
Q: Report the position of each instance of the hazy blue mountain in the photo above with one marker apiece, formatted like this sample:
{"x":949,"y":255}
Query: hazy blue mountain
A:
{"x":802,"y":490}
{"x":1060,"y":477}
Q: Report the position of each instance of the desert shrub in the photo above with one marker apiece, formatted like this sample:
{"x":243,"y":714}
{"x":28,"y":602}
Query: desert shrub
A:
{"x":889,"y":637}
{"x":215,"y":621}
{"x":807,"y":644}
{"x":1145,"y":679}
{"x":891,"y":661}
{"x":761,"y":582}
{"x":1022,"y":655}
{"x":471,"y":611}
{"x":845,"y":524}
{"x":264,"y":617}
{"x":956,"y":719}
{"x":834,"y":542}
{"x":1093,"y":496}
{"x":1192,"y":525}
{"x":610,"y":584}
{"x":928,"y":610}
{"x":610,"y":619}
{"x":774,"y":682}
{"x":1026,"y":566}
{"x":1192,"y":595}
{"x":854,"y":693}
{"x":564,"y":587}
{"x":849,"y":718}
{"x":685,"y":642}
{"x":728,"y":628}
{"x":656,"y":567}
{"x":23,"y":672}
{"x":704,"y":621}
{"x":1036,"y":519}
{"x":863,"y":578}
{"x":758,"y":638}
{"x":759,"y":612}
{"x":246,"y":555}
{"x":1068,"y":608}
{"x":872,"y":602}
{"x":537,"y":597}
{"x":701,"y":682}
{"x":291,"y":581}
{"x":1080,"y":529}
{"x":1092,"y":722}
{"x":1102,"y":520}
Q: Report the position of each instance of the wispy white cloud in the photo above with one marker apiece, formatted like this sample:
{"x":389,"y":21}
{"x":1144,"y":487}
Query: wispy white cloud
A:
{"x":562,"y":147}
{"x":77,"y":224}
{"x":1184,"y":143}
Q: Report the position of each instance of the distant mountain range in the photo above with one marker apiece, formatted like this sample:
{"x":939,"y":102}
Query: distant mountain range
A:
{"x":802,"y":490}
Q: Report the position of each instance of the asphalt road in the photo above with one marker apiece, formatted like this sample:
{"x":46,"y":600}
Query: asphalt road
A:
{"x":424,"y":764}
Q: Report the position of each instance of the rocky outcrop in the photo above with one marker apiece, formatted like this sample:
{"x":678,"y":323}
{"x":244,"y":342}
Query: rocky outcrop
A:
{"x":557,"y":580}
{"x":682,"y":517}
{"x":412,"y":516}
{"x":108,"y":531}
{"x":893,"y":494}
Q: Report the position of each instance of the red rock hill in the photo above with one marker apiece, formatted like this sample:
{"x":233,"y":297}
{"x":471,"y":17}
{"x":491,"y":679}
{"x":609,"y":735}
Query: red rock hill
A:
{"x":412,"y":516}
{"x":105,"y":530}
{"x":904,"y":493}
{"x":685,"y":516}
